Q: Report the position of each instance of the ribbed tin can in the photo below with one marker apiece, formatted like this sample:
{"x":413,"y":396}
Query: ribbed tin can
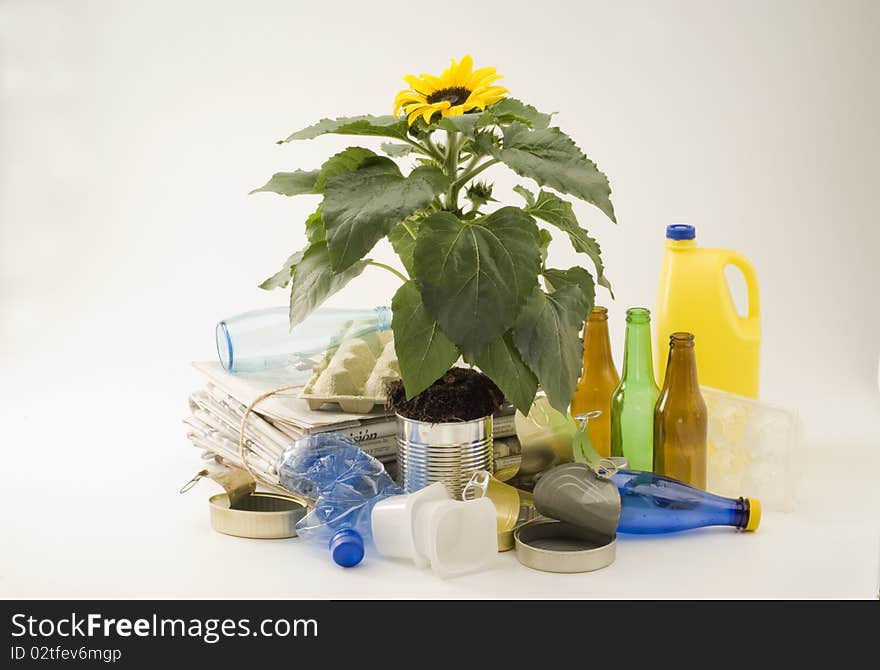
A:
{"x":442,"y":452}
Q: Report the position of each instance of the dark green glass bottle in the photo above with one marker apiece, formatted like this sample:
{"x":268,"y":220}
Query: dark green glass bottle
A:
{"x":632,"y":405}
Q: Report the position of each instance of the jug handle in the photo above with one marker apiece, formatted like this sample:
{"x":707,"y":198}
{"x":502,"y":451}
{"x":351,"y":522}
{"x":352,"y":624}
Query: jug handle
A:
{"x":745,"y":266}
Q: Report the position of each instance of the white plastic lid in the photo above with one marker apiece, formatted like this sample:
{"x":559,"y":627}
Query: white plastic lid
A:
{"x":459,"y":537}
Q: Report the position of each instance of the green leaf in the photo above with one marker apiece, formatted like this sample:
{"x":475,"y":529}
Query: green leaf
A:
{"x":403,"y":243}
{"x":314,"y":281}
{"x":527,"y":195}
{"x":376,"y":126}
{"x":290,"y":183}
{"x":475,"y":276}
{"x":551,"y":158}
{"x":509,"y":110}
{"x":546,"y":334}
{"x":465,"y":124}
{"x":435,"y":177}
{"x":347,"y":160}
{"x":501,"y":361}
{"x":396,"y":150}
{"x":485,"y":143}
{"x":423,"y":350}
{"x":544,"y":241}
{"x":315,"y":235}
{"x":282,"y":277}
{"x":361,"y":207}
{"x":558,"y":212}
{"x":577,"y":277}
{"x":315,"y":227}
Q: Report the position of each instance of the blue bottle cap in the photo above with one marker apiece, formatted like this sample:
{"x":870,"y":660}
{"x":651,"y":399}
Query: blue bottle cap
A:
{"x":347,"y":548}
{"x":680,"y":231}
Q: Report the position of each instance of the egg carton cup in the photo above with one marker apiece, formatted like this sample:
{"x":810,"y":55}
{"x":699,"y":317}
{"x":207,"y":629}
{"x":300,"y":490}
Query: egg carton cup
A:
{"x":354,"y":375}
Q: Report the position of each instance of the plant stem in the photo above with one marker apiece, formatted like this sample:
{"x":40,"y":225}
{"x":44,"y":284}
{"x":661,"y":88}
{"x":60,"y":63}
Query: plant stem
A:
{"x":452,"y":150}
{"x":390,"y":269}
{"x":425,"y":151}
{"x":470,"y":174}
{"x":435,"y":153}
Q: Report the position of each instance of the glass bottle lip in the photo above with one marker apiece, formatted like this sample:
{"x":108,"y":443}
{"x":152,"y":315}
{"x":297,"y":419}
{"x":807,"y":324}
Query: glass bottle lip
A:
{"x":681,"y":339}
{"x":599,"y":313}
{"x":638,"y":315}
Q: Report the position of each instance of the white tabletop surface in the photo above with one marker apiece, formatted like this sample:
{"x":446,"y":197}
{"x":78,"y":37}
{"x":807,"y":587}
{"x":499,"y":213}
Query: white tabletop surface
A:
{"x":90,"y":508}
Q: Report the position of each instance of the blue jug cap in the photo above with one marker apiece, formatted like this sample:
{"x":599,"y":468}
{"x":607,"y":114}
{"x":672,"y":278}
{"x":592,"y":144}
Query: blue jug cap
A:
{"x":347,"y":548}
{"x":680,"y":231}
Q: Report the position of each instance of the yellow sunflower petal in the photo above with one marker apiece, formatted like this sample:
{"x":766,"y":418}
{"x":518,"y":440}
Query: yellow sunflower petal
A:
{"x":418,"y":84}
{"x":447,"y":76}
{"x":493,"y":92}
{"x":458,"y":110}
{"x":483,"y":72}
{"x":474,"y":101}
{"x":413,"y":113}
{"x":405,"y":98}
{"x":485,"y":80}
{"x":408,"y":94}
{"x":413,"y":108}
{"x":433,"y":81}
{"x":463,"y":71}
{"x":428,"y":113}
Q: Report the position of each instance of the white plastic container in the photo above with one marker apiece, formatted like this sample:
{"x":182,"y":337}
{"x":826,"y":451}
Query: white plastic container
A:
{"x":428,"y":527}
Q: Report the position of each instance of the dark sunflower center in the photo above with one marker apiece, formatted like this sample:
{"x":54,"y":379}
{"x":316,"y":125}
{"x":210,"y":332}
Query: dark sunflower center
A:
{"x":454,"y":95}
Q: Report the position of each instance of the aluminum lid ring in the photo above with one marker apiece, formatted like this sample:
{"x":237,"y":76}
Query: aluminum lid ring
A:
{"x":257,"y":515}
{"x":556,"y":546}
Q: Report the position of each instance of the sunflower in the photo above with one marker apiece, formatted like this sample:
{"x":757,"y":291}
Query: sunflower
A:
{"x":458,"y":90}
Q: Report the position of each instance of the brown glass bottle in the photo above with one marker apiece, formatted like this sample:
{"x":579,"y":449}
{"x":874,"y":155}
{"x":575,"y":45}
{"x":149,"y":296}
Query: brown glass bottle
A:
{"x":680,"y":417}
{"x":598,"y":380}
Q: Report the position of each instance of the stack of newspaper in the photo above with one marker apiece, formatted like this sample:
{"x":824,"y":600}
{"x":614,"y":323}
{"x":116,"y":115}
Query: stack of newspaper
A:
{"x":216,"y":413}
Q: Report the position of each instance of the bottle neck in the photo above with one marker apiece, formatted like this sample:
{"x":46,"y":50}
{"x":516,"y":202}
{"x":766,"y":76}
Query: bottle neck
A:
{"x":681,"y":369}
{"x":597,"y":343}
{"x":681,"y":245}
{"x":638,"y":364}
{"x":383,"y":318}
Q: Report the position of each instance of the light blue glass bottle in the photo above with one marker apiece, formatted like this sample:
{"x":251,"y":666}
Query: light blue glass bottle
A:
{"x":263,"y":339}
{"x":652,"y":504}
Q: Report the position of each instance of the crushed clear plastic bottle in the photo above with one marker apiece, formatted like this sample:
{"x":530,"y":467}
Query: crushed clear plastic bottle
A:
{"x":345,"y":482}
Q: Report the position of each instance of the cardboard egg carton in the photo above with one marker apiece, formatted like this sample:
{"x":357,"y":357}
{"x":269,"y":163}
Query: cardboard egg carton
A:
{"x":354,"y":375}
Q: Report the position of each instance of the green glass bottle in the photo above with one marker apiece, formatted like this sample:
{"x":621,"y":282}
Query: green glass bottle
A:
{"x":632,"y":405}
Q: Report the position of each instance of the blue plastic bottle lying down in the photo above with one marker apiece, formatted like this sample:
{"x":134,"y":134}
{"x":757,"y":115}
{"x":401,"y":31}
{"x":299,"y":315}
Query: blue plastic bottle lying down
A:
{"x":654,"y":504}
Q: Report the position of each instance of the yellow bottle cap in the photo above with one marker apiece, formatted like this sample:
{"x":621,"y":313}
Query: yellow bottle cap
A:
{"x":754,"y":514}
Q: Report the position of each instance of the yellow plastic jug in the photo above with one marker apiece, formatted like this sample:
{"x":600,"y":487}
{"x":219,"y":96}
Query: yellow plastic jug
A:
{"x":693,"y":296}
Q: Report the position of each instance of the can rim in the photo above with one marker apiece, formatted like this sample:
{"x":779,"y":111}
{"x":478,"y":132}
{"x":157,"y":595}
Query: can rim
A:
{"x":443,"y":423}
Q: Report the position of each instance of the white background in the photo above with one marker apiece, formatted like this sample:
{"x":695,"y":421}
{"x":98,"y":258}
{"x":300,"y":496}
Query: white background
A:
{"x":130,"y":134}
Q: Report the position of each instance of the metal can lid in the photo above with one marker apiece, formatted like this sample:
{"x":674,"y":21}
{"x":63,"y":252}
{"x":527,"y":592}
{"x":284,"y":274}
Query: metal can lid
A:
{"x":557,"y":546}
{"x":257,"y":515}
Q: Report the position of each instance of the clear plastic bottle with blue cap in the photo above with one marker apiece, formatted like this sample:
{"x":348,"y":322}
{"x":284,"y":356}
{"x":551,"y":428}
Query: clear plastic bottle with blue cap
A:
{"x":693,"y":296}
{"x":264,"y":339}
{"x":357,"y":505}
{"x":345,"y":482}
